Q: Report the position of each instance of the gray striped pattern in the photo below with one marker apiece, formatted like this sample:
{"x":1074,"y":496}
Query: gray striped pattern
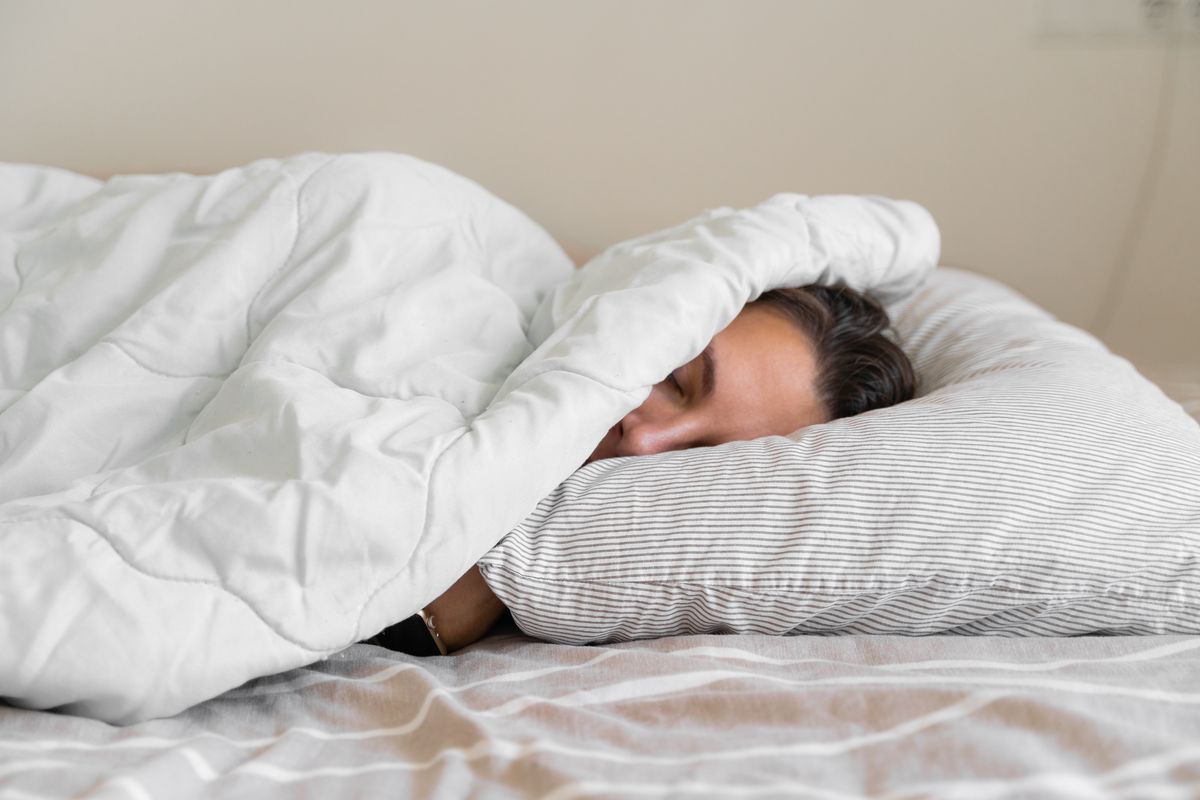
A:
{"x":1038,"y":485}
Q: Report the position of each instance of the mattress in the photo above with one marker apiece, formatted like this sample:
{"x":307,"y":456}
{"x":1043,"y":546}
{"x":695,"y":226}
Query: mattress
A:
{"x":695,"y":716}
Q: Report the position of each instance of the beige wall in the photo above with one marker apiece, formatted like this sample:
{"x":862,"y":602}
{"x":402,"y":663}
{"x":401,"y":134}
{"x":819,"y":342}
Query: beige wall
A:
{"x":1154,"y":317}
{"x":1040,"y":158}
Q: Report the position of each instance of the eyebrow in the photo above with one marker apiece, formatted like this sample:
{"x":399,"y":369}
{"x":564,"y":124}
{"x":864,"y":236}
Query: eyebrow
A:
{"x":708,"y":366}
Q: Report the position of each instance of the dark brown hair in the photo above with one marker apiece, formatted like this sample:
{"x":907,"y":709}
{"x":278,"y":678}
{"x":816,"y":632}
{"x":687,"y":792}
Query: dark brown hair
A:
{"x":858,"y":367}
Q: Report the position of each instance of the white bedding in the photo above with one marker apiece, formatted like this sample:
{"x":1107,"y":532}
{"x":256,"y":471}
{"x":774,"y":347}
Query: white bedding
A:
{"x":249,"y":419}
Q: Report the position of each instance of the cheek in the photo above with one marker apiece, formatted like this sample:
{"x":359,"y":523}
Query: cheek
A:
{"x":607,"y":448}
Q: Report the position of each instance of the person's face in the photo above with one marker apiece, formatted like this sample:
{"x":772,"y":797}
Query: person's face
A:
{"x":754,"y":379}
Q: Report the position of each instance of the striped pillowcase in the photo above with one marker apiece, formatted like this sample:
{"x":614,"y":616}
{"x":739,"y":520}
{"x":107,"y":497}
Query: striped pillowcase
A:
{"x":1037,"y":485}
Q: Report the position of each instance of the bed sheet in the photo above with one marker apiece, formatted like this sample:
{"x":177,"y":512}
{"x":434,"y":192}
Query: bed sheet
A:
{"x":696,"y":716}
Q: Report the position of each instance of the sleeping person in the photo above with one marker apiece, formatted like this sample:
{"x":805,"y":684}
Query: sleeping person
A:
{"x":790,"y":359}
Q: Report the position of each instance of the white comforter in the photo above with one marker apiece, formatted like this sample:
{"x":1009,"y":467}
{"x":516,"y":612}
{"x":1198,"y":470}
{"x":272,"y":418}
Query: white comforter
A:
{"x":251,"y":418}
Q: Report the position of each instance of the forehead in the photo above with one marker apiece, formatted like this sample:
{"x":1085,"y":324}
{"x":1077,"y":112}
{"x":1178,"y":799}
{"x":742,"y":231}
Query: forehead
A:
{"x":766,"y":375}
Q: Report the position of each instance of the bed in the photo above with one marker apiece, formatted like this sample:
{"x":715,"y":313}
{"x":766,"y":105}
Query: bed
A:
{"x":691,"y":716}
{"x":702,"y":715}
{"x":695,"y":716}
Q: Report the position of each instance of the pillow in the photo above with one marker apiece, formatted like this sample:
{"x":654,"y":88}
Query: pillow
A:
{"x":1037,"y":485}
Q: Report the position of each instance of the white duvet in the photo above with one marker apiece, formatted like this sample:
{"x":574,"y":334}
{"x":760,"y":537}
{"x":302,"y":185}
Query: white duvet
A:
{"x":248,"y":419}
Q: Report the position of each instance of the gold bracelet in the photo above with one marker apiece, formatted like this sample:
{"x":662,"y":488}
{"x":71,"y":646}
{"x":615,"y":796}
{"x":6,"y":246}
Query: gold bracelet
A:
{"x":432,"y":628}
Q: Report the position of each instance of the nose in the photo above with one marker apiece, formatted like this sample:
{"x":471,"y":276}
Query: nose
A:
{"x":656,"y":426}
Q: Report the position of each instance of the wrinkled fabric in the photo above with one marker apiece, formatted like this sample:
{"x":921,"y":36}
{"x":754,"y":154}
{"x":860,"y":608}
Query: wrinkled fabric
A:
{"x":249,"y":419}
{"x":939,"y":717}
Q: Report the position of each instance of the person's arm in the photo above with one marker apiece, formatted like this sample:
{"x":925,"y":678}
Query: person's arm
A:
{"x":465,"y":612}
{"x":460,"y":616}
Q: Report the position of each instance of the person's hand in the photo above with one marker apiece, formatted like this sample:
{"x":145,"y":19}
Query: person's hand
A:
{"x":464,"y":612}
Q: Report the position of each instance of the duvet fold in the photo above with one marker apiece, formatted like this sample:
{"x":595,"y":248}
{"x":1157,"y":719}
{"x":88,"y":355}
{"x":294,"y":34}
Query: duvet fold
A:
{"x":248,"y":419}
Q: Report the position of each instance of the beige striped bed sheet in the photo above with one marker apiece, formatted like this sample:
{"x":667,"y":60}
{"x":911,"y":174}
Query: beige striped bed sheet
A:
{"x":697,"y":716}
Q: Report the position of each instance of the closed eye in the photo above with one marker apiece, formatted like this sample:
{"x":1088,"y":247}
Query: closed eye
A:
{"x":671,"y":379}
